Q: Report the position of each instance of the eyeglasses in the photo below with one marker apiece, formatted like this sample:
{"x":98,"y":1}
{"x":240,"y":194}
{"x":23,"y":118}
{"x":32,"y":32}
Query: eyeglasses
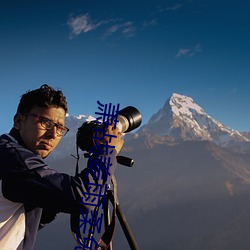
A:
{"x":49,"y":124}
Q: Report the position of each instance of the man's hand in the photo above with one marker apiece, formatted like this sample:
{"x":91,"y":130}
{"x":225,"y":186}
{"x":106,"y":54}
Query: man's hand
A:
{"x":115,"y":141}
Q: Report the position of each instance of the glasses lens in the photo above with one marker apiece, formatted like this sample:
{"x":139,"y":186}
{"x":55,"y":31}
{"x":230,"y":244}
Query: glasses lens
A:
{"x":61,"y":130}
{"x":48,"y":124}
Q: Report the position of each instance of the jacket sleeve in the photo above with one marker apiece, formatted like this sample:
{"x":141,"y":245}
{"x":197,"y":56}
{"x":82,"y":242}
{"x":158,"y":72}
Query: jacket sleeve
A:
{"x":27,"y":179}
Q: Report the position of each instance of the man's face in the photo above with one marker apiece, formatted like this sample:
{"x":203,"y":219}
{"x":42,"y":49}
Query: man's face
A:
{"x":35,"y":137}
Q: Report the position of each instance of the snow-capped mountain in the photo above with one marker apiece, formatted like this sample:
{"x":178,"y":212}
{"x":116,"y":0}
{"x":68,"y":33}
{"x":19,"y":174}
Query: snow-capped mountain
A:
{"x":182,"y":119}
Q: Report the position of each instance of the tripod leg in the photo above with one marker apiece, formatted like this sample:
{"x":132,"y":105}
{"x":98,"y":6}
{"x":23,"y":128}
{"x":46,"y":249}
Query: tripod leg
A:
{"x":112,"y":197}
{"x":125,"y":226}
{"x":107,"y":216}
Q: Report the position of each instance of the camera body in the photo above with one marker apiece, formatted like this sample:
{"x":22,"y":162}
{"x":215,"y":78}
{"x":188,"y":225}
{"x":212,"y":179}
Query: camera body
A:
{"x":128,"y":118}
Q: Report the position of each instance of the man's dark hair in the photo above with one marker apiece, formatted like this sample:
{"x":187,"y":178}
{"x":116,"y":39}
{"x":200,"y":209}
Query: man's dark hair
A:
{"x":45,"y":96}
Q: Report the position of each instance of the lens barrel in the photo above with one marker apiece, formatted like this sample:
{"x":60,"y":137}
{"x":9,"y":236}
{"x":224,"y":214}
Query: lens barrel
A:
{"x":129,"y":119}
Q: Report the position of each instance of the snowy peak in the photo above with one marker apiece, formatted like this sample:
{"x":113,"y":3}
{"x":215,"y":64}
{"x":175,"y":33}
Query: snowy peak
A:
{"x":181,"y":104}
{"x":182,"y":119}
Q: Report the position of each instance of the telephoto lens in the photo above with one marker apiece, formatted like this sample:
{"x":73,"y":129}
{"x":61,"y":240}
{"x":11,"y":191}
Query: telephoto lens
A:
{"x":128,"y":118}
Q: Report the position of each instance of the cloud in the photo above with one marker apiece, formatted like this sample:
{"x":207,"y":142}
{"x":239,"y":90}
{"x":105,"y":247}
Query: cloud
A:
{"x":174,"y":7}
{"x":189,"y":52}
{"x":182,"y":52}
{"x":150,"y":23}
{"x":83,"y":24}
{"x":127,"y":29}
{"x":197,"y":49}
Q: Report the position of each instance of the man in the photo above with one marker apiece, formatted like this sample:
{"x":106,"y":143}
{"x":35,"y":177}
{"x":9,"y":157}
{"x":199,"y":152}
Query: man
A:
{"x":30,"y":192}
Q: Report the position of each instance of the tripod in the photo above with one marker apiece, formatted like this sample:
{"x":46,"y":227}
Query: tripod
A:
{"x":112,"y":197}
{"x":105,"y":243}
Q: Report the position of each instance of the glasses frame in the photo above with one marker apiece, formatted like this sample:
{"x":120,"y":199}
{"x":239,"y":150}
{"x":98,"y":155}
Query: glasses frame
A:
{"x":64,"y":130}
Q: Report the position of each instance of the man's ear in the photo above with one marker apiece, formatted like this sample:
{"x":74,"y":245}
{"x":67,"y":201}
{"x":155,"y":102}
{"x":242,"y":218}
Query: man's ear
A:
{"x":18,"y":119}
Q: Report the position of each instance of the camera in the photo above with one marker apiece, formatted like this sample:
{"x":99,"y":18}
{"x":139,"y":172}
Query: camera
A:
{"x":128,"y":118}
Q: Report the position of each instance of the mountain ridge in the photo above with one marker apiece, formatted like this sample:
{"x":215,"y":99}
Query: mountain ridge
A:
{"x":182,"y":119}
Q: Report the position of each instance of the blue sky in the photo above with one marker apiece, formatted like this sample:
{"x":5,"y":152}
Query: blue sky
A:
{"x":129,"y":52}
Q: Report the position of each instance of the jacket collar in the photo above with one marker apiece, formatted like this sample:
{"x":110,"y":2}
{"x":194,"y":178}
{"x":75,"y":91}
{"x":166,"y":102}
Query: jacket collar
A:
{"x":16,"y":135}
